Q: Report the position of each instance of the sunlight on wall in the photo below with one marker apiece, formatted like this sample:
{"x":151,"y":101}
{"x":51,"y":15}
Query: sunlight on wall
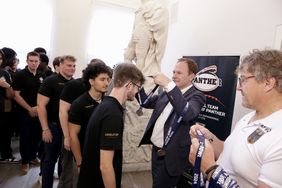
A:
{"x":110,"y":32}
{"x":26,"y":25}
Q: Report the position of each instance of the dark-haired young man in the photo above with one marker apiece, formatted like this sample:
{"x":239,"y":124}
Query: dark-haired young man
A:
{"x":97,"y":78}
{"x":102,"y":153}
{"x":71,"y":91}
{"x":26,"y":84}
{"x":43,"y":66}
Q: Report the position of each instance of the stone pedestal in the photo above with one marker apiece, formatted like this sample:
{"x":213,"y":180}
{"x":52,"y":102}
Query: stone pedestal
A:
{"x":135,"y":158}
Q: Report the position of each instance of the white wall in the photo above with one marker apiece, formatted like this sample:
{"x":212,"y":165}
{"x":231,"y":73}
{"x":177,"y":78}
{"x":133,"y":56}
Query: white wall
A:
{"x":221,"y":27}
{"x":216,"y":27}
{"x":71,"y":20}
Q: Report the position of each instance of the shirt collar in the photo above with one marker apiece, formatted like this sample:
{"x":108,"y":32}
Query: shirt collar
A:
{"x":186,"y":89}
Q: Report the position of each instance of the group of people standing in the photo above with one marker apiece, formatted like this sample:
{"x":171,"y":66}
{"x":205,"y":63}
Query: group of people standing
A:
{"x":83,"y":127}
{"x":59,"y":110}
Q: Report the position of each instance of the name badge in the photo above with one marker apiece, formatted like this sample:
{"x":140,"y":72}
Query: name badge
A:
{"x":261,"y":130}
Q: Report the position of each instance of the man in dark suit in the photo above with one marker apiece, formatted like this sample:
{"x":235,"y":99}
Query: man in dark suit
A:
{"x":180,"y":102}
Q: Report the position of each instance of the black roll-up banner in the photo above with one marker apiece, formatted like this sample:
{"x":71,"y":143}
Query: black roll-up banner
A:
{"x":217,"y":79}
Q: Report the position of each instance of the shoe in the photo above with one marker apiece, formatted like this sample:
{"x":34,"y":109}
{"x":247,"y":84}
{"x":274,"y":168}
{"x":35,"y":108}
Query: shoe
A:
{"x":56,"y":175}
{"x":25,"y":168}
{"x":11,"y":160}
{"x":35,"y":161}
{"x":40,"y":180}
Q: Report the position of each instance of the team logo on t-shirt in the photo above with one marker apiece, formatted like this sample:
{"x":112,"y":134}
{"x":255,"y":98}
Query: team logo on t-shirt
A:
{"x":261,"y":130}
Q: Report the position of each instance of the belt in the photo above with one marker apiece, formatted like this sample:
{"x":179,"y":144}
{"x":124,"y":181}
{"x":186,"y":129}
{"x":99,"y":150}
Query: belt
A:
{"x":160,"y":151}
{"x":156,"y":148}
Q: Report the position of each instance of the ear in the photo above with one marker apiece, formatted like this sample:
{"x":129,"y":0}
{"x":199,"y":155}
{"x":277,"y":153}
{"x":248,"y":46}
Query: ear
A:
{"x":191,"y":77}
{"x":270,"y":84}
{"x":91,"y":81}
{"x":127,"y":84}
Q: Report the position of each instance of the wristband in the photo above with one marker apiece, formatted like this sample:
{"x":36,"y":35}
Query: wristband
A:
{"x":213,"y":167}
{"x":45,"y":129}
{"x":78,"y":166}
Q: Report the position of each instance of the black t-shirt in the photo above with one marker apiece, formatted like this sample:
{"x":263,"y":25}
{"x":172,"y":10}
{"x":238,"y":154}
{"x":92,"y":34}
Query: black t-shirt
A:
{"x":6,"y":76}
{"x":28,"y":84}
{"x":72,"y":90}
{"x":104,"y":131}
{"x":80,"y":113}
{"x":52,"y":88}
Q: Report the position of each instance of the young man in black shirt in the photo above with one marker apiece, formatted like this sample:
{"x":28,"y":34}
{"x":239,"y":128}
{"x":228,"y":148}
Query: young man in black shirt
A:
{"x":26,"y":84}
{"x":102,"y":154}
{"x":71,"y":91}
{"x":97,"y":78}
{"x":48,"y":111}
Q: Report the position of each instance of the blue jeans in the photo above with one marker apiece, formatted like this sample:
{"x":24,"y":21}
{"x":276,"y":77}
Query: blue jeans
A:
{"x":51,"y":155}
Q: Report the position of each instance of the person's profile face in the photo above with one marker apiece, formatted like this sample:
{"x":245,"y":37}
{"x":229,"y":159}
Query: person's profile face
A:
{"x":250,"y":89}
{"x":181,"y":76}
{"x":67,"y":68}
{"x":133,"y":89}
{"x":101,"y":82}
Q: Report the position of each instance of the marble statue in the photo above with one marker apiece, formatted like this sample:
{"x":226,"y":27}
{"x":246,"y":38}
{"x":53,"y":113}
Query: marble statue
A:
{"x":146,"y":48}
{"x":149,"y":36}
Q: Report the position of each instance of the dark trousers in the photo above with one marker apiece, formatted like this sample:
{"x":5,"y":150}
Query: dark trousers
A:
{"x":6,"y":132}
{"x":51,"y":154}
{"x":30,"y":136}
{"x":161,"y":178}
{"x":66,"y":178}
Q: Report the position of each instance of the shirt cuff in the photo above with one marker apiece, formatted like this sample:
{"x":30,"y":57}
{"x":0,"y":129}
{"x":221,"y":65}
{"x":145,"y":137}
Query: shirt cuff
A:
{"x":169,"y":86}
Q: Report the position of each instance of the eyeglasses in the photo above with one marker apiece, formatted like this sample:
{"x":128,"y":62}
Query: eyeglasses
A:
{"x":243,"y":79}
{"x":139,"y":87}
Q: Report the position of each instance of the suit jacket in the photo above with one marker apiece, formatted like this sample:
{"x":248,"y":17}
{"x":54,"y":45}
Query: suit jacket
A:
{"x":176,"y":159}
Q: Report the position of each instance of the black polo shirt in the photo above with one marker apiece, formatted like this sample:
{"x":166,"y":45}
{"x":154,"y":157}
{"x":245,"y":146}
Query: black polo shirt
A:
{"x":104,"y":131}
{"x":4,"y":75}
{"x":52,"y":88}
{"x":72,"y":90}
{"x":80,"y":112}
{"x":28,"y":84}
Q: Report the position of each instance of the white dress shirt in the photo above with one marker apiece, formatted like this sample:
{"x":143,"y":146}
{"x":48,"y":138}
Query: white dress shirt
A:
{"x":157,"y":137}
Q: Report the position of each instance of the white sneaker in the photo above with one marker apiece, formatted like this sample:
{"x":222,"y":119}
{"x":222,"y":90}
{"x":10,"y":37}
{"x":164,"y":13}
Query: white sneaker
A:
{"x":56,"y":174}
